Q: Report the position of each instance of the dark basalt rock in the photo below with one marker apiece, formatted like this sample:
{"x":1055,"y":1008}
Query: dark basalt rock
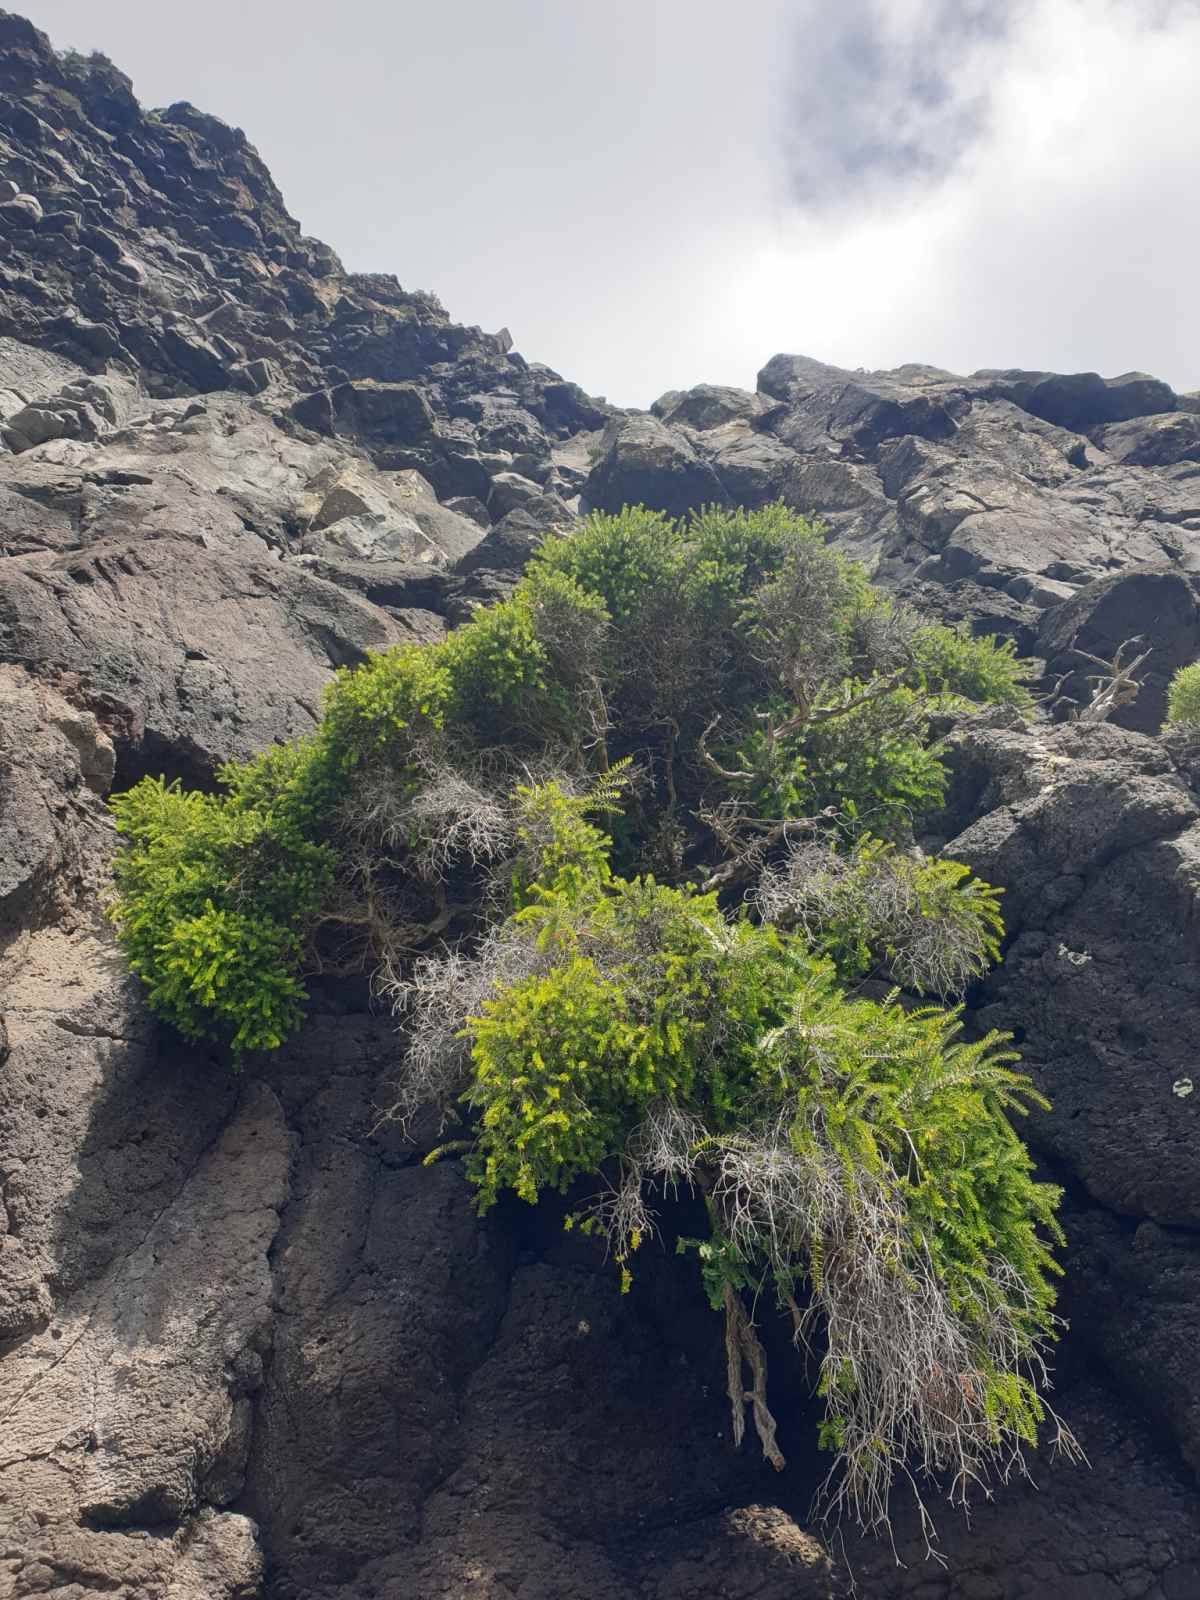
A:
{"x":1161,"y":441}
{"x":708,"y":405}
{"x":1086,"y":399}
{"x":199,"y":657}
{"x":1096,"y":839}
{"x":1159,"y":606}
{"x":642,"y":462}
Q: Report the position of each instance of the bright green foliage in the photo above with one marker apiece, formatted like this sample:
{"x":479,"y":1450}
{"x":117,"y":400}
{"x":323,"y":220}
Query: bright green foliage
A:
{"x":388,"y":710}
{"x":624,"y":560}
{"x":211,"y":895}
{"x":1183,"y":698}
{"x":559,"y":850}
{"x":898,"y":1092}
{"x":516,"y":671}
{"x":916,"y":1171}
{"x":633,"y":635}
{"x":876,"y":765}
{"x":854,"y":1152}
{"x":952,"y":661}
{"x":924,"y":921}
{"x":669,"y":1001}
{"x":652,"y":996}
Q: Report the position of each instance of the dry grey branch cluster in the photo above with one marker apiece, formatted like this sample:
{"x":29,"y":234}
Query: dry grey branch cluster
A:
{"x":1112,"y":687}
{"x":886,"y":635}
{"x":407,"y":843}
{"x":799,"y":616}
{"x":446,"y":818}
{"x":814,"y":888}
{"x":902,"y":1373}
{"x":438,"y":995}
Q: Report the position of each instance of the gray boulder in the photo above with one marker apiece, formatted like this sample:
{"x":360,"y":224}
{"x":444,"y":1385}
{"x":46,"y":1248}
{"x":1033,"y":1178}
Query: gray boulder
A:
{"x":642,"y":462}
{"x":491,"y":570}
{"x":511,"y":491}
{"x":708,"y":405}
{"x":1157,"y":605}
{"x":1160,"y":441}
{"x":1096,"y":841}
{"x":1084,"y":399}
{"x":385,"y":516}
{"x":753,"y":468}
{"x":55,"y":762}
{"x":199,"y":656}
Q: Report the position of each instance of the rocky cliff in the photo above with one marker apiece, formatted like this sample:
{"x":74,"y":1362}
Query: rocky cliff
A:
{"x":241,"y":1358}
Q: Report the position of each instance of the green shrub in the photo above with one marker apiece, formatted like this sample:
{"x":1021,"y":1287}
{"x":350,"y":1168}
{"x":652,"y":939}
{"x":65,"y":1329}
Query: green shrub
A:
{"x":949,"y":660}
{"x":924,"y":922}
{"x":211,"y":895}
{"x":854,"y":1153}
{"x":1183,"y":698}
{"x":623,"y":560}
{"x":753,"y":724}
{"x":391,"y":709}
{"x":558,"y":848}
{"x":875,"y":765}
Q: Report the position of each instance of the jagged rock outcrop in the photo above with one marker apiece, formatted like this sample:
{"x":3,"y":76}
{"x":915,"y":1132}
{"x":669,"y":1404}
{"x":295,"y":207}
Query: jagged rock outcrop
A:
{"x":250,"y":1347}
{"x":1002,"y":498}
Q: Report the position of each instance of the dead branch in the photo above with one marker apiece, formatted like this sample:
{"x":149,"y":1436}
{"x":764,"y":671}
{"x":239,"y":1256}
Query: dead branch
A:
{"x":751,"y":855}
{"x":1115,"y":686}
{"x":711,"y":762}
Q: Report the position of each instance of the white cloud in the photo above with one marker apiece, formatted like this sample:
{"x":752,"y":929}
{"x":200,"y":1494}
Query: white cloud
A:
{"x":651,"y":193}
{"x":1060,"y":236}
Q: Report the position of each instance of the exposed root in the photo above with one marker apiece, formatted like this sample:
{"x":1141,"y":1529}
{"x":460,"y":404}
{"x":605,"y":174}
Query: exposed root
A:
{"x":743,"y":1347}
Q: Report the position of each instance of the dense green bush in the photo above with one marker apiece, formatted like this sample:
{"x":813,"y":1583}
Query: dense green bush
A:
{"x":622,"y":847}
{"x":951,"y":661}
{"x":214,"y":901}
{"x":1183,"y":698}
{"x":853,"y":1154}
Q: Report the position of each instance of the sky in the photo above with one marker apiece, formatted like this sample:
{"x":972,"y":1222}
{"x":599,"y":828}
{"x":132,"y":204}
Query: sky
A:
{"x":651,"y":194}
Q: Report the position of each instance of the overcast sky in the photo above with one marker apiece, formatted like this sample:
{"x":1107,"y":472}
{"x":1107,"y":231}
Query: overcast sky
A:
{"x":655,"y":193}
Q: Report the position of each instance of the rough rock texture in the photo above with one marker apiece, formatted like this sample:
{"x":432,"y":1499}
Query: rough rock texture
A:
{"x":197,"y":658}
{"x":1096,"y":838}
{"x":252,"y":1349}
{"x":997,"y":498}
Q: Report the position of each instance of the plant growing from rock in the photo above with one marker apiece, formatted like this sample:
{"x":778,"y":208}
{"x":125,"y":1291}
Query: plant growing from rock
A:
{"x":1183,"y":700}
{"x":621,"y":850}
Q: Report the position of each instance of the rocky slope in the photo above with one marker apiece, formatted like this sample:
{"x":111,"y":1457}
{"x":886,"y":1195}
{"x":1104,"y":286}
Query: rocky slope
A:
{"x":250,"y":1347}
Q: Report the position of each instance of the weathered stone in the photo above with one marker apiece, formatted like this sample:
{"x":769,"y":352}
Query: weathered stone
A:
{"x":54,"y":761}
{"x":1084,"y":399}
{"x":510,"y":491}
{"x":21,"y":211}
{"x":753,"y":467}
{"x":1157,"y":606}
{"x":466,"y":505}
{"x":1154,"y":441}
{"x":641,"y":462}
{"x":382,"y":413}
{"x":400,"y":507}
{"x":708,"y":405}
{"x":1097,"y":843}
{"x":207,"y":656}
{"x":496,"y":563}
